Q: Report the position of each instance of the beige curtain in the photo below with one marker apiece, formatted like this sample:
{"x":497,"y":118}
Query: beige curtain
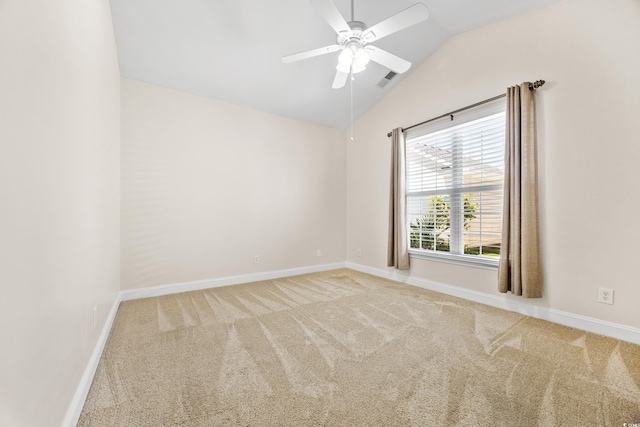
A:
{"x":398,"y":250}
{"x":520,"y":266}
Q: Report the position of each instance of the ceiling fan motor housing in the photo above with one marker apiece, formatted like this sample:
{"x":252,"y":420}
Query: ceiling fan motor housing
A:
{"x":355,"y":35}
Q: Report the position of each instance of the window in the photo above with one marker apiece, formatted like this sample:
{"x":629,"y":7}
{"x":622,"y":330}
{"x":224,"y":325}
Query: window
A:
{"x":455,"y":169}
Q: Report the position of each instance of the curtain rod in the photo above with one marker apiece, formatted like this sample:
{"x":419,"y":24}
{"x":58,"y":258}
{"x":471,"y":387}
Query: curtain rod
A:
{"x":532,"y":86}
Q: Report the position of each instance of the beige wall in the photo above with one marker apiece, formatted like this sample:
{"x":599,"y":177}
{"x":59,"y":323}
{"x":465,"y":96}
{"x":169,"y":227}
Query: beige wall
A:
{"x":206,"y":185}
{"x":59,"y":195}
{"x":588,"y":52}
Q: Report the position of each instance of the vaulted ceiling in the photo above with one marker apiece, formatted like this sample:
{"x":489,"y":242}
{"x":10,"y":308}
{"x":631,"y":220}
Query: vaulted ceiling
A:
{"x":231,"y":50}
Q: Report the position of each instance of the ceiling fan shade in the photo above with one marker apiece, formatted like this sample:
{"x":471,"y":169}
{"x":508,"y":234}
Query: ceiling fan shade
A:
{"x":346,"y":57}
{"x":353,"y":58}
{"x":361,"y":57}
{"x":353,"y":39}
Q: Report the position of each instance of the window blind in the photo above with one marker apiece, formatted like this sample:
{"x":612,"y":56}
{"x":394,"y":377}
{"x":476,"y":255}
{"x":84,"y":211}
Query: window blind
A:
{"x":455,"y":173}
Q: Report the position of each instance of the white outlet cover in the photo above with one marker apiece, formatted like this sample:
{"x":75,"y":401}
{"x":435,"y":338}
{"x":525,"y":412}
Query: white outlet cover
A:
{"x":605,"y":295}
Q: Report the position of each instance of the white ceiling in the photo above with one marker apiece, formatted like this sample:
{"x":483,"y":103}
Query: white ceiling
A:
{"x":230,"y":49}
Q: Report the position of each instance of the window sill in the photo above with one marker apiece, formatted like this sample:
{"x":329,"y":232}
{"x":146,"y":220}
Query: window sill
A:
{"x":466,"y":260}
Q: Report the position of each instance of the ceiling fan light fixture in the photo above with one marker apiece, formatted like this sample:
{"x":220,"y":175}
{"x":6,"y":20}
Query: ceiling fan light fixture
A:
{"x":361,"y":58}
{"x":353,"y":58}
{"x":346,"y":56}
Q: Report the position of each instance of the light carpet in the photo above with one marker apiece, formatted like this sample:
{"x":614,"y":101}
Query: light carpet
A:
{"x":343,"y":348}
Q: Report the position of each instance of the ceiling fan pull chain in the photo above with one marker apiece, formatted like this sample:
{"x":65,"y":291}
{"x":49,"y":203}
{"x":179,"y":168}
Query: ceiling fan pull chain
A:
{"x":352,"y":79}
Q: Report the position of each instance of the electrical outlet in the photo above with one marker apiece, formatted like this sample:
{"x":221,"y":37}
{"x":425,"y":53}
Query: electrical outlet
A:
{"x":95,"y":316}
{"x":605,"y":295}
{"x":256,"y":259}
{"x":359,"y":252}
{"x":319,"y":252}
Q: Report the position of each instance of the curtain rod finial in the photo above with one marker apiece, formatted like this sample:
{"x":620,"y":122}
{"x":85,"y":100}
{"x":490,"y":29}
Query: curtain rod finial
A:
{"x":535,"y":85}
{"x":391,"y":133}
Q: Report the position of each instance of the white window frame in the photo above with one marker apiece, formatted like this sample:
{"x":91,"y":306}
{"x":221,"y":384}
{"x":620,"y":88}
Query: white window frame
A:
{"x":477,"y":261}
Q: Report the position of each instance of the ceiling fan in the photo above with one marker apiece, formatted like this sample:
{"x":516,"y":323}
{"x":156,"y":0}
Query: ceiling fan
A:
{"x":354,"y":38}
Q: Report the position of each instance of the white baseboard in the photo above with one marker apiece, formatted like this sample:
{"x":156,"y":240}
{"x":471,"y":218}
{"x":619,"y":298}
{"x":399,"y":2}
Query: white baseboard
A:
{"x":156,"y":291}
{"x":80,"y":396}
{"x":589,"y":324}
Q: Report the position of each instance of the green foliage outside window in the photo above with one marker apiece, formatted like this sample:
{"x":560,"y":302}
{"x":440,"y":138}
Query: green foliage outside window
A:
{"x":431,"y":230}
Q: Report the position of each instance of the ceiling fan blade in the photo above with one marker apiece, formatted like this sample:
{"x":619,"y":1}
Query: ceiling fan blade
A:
{"x":310,"y":53}
{"x":330,"y":13}
{"x":388,"y":60}
{"x":408,"y":17}
{"x":340,"y":79}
